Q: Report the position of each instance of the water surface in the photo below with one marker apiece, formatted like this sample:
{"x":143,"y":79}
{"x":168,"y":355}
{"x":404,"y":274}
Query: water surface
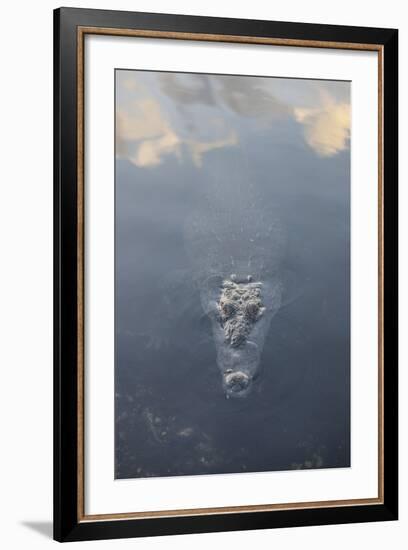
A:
{"x":179,"y":137}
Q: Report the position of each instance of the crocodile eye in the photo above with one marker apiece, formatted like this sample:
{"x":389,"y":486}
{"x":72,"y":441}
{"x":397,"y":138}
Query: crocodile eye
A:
{"x":228,"y":308}
{"x":252,"y":310}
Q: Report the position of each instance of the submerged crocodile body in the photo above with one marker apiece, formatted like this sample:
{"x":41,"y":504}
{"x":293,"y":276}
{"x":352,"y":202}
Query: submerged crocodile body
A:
{"x":236,"y":243}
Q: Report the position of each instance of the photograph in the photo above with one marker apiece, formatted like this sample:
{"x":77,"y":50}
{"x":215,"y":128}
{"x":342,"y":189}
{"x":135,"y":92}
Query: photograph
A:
{"x":232,"y":274}
{"x":225,"y":271}
{"x":203,"y":264}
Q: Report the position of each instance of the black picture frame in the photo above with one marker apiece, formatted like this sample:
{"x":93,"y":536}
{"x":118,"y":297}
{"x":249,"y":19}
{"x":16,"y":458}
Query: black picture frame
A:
{"x":68,"y":525}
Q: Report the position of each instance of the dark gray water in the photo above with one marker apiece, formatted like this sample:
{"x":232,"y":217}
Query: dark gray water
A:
{"x":172,"y":415}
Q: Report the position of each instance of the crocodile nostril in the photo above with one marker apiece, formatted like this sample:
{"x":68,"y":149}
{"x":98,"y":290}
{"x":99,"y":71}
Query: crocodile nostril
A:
{"x":236,"y":382}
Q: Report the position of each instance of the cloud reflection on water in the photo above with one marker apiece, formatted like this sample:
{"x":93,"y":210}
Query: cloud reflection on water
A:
{"x":187,"y":115}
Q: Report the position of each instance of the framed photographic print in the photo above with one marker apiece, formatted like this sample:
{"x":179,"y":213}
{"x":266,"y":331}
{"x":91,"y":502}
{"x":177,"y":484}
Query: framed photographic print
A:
{"x":225,"y":274}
